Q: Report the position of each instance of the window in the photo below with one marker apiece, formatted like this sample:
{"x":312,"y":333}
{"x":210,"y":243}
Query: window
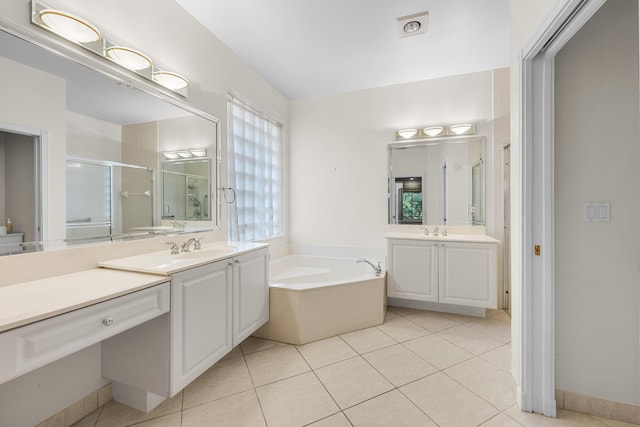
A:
{"x":256,"y":172}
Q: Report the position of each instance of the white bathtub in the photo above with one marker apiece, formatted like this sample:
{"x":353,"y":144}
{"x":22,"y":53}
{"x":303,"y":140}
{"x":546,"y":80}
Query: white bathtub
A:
{"x":311,"y":298}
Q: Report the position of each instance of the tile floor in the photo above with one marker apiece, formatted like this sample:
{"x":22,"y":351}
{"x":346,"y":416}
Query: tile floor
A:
{"x":419,"y":368}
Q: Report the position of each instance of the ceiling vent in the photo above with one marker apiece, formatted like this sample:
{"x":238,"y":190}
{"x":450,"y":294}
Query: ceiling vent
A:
{"x":412,"y":25}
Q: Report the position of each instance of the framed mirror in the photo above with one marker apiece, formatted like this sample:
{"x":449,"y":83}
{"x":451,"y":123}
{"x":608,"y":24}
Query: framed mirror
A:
{"x":438,"y":182}
{"x":75,"y":119}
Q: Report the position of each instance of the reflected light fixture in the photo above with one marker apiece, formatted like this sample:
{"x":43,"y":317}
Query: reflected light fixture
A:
{"x":407,"y":133}
{"x":170,"y":80}
{"x":433,"y":131}
{"x":69,"y":26}
{"x":185,"y":154}
{"x":460,"y":129}
{"x":128,"y":58}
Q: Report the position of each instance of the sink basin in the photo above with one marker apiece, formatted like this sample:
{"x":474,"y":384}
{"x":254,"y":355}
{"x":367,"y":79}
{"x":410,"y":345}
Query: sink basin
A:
{"x":165,"y":263}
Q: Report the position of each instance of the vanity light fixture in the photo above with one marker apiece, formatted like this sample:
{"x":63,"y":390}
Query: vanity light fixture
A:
{"x":69,"y":26}
{"x":407,"y":133}
{"x":185,"y":154}
{"x":433,"y":131}
{"x":89,"y":37}
{"x":170,"y":80}
{"x":461,"y":129}
{"x":436,"y":131}
{"x":128,"y":58}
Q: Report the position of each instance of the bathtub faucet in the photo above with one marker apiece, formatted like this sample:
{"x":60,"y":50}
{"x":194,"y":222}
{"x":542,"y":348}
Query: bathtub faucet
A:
{"x":378,"y":269}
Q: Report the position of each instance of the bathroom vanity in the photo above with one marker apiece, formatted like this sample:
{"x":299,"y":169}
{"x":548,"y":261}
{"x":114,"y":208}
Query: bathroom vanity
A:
{"x":447,"y":273}
{"x":219,"y":296}
{"x":162,"y":319}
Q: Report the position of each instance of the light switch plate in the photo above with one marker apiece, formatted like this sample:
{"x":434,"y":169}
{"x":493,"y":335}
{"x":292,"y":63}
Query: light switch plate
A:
{"x":597,"y":212}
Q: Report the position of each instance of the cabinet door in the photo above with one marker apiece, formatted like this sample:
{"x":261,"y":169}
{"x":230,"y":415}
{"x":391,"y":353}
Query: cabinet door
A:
{"x":250,"y":294}
{"x":200,"y":320}
{"x":468,"y":274}
{"x":413,"y":270}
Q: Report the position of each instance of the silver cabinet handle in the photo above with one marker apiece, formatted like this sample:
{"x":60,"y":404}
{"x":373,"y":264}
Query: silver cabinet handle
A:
{"x":108,"y":321}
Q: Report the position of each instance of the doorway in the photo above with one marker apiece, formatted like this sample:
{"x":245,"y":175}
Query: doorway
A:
{"x":20,"y":190}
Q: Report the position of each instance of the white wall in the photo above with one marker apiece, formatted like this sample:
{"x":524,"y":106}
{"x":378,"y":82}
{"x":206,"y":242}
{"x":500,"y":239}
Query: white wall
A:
{"x":338,"y":152}
{"x":597,"y":274}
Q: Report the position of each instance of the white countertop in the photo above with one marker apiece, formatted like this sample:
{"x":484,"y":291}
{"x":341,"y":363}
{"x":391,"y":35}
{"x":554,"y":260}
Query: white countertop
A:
{"x":29,"y":302}
{"x":468,"y":238}
{"x":163,"y":263}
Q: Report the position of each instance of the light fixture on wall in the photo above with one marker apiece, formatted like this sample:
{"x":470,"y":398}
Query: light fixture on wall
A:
{"x":406,"y":133}
{"x":170,"y":80}
{"x":86,"y":35}
{"x":69,"y":26}
{"x":433,"y":131}
{"x":461,"y":129}
{"x":185,"y":154}
{"x":128,"y":58}
{"x":436,"y":131}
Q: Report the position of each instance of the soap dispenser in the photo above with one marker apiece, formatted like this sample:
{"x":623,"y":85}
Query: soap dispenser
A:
{"x":9,"y":226}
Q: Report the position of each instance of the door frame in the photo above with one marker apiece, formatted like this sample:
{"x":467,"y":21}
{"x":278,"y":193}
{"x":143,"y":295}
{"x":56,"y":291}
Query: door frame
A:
{"x":534,"y":359}
{"x":40,"y":138}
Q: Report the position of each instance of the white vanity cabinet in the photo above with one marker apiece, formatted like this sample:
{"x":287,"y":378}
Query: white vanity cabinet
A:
{"x":250,"y":293}
{"x":214,"y":307}
{"x":413,"y":270}
{"x":201,"y":320}
{"x":467,"y":274}
{"x":449,"y":272}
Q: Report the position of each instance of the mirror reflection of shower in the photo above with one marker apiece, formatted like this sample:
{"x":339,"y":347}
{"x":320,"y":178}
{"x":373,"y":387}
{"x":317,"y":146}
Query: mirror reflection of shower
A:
{"x":185,"y":190}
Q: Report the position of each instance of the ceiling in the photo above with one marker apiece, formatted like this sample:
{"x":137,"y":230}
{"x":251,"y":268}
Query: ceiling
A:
{"x":309,"y":48}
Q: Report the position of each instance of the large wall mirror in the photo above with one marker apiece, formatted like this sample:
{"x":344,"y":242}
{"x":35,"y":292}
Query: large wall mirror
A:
{"x":81,"y":153}
{"x":438,"y":182}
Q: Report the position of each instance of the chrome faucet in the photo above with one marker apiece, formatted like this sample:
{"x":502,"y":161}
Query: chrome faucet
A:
{"x":175,"y":249}
{"x":377,"y":270}
{"x":197,"y":244}
{"x":435,"y":230}
{"x":426,"y":230}
{"x":186,"y":245}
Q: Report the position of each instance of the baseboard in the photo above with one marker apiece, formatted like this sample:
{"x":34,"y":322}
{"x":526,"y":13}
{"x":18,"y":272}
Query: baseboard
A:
{"x":80,"y":409}
{"x":599,"y":407}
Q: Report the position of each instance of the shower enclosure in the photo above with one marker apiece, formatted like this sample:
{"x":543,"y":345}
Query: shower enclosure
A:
{"x":186,"y":189}
{"x":107,"y":199}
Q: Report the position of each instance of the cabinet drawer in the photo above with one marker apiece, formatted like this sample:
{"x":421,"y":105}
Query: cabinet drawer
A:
{"x":29,"y":347}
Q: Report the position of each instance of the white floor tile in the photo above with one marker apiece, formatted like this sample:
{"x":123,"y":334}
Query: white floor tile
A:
{"x":389,"y":409}
{"x":296,"y":401}
{"x":352,"y":381}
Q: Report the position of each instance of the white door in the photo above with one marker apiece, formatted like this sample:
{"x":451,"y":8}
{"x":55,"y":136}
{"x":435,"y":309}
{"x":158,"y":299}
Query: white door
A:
{"x":413,"y":270}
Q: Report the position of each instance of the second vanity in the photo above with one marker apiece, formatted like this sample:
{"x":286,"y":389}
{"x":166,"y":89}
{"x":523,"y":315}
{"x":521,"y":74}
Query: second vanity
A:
{"x":454,"y":272}
{"x":162,"y":319}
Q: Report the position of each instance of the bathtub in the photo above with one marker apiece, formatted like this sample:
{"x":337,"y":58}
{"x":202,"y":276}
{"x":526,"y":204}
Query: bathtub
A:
{"x":311,"y":298}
